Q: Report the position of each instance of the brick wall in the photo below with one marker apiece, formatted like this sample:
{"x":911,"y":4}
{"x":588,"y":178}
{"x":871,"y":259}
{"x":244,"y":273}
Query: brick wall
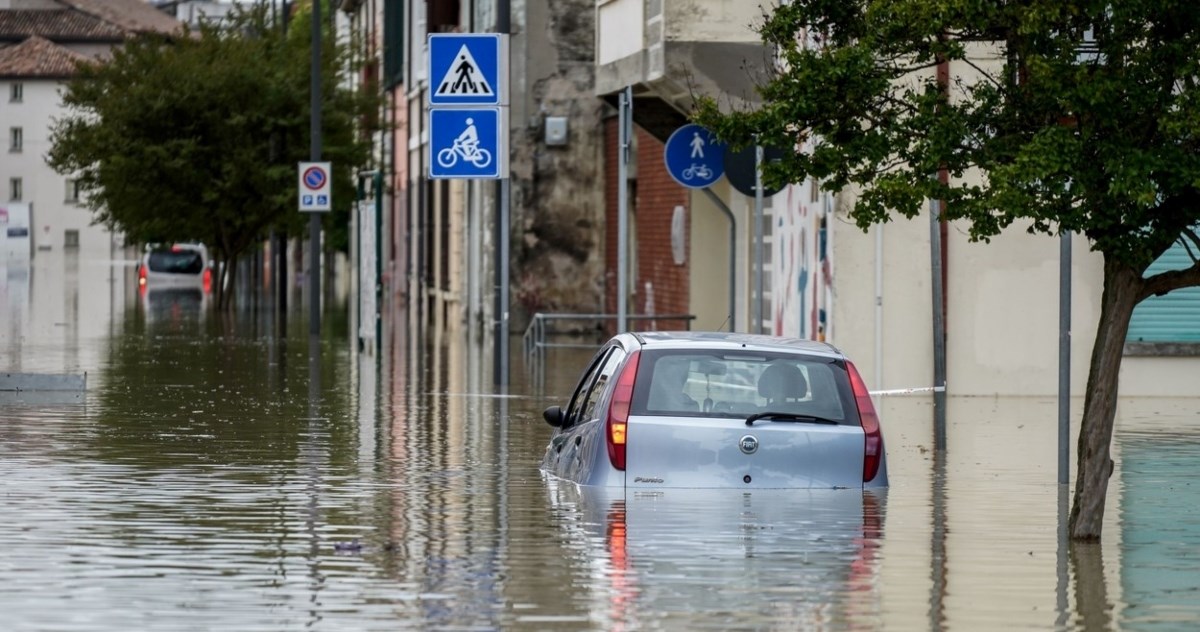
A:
{"x":652,"y":205}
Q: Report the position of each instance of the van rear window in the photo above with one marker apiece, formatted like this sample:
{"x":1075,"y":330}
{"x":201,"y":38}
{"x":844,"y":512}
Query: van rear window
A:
{"x":176,"y":262}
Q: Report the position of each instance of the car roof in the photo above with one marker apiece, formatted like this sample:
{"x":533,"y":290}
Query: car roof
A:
{"x":176,"y":246}
{"x":733,"y":340}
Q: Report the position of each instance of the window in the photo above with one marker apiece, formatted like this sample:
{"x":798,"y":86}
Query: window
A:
{"x":72,"y":191}
{"x":16,"y":93}
{"x":607,"y":371}
{"x":15,"y":194}
{"x":16,"y":138}
{"x":393,"y":43}
{"x":71,"y":239}
{"x":715,"y":383}
{"x":592,"y":386}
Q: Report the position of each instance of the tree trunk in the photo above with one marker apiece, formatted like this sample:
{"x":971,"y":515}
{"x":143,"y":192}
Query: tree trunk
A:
{"x":1122,"y":287}
{"x":228,"y":280}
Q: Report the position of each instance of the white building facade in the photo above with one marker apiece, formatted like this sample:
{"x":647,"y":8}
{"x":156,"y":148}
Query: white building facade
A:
{"x":40,"y":43}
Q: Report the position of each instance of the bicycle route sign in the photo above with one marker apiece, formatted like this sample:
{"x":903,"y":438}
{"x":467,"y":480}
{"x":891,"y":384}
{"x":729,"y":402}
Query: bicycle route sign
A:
{"x":694,"y":157}
{"x":468,"y":96}
{"x":464,"y":142}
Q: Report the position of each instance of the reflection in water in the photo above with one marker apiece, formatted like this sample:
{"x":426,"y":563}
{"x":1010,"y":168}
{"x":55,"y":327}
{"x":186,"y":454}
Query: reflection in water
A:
{"x":1060,"y":590}
{"x":314,"y":463}
{"x":937,"y":545}
{"x":715,"y":559}
{"x":226,"y":475}
{"x":1091,"y":591}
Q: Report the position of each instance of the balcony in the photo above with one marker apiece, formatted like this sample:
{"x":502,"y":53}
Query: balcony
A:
{"x":669,"y":50}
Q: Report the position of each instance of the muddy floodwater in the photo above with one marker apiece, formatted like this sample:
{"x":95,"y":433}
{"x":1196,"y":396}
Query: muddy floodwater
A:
{"x":222,"y":473}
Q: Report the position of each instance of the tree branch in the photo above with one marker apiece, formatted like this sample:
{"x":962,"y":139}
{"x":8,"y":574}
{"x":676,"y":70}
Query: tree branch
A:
{"x":1164,"y":282}
{"x":981,"y":71}
{"x":1189,"y":234}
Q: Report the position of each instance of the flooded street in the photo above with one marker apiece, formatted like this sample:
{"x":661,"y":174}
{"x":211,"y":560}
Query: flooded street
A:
{"x":214,"y":478}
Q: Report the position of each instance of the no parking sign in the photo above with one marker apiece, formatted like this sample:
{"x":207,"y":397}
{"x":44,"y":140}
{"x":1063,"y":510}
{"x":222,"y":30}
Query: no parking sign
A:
{"x":315,"y":187}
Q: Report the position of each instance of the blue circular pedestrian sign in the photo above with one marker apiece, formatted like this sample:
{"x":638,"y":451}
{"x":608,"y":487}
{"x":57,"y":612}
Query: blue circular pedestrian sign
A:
{"x":694,"y":157}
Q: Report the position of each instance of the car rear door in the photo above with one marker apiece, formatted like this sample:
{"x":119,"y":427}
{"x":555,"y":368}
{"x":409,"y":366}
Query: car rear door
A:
{"x":815,"y":442}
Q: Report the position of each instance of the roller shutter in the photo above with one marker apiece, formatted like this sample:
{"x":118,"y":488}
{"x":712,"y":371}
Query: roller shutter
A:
{"x":1173,"y":317}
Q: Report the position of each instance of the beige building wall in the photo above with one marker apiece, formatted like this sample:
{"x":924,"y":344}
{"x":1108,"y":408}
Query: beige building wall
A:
{"x":1002,"y":307}
{"x":709,"y":260}
{"x":1001,"y":315}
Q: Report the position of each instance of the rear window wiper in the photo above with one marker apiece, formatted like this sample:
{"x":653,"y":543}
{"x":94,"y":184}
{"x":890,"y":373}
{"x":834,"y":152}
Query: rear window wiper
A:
{"x":778,"y":416}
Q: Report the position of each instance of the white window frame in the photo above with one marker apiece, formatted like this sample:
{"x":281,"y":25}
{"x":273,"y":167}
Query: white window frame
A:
{"x":16,"y":139}
{"x":16,"y":188}
{"x":16,"y":92}
{"x":71,"y":195}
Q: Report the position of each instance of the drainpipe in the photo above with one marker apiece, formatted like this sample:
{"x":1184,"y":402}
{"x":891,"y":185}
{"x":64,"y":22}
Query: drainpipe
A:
{"x":720,"y":204}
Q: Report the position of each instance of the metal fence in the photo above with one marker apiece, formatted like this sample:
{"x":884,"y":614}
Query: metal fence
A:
{"x":543,"y":327}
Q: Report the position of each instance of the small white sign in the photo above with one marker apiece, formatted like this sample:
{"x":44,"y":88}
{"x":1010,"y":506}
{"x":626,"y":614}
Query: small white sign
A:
{"x":315,"y":187}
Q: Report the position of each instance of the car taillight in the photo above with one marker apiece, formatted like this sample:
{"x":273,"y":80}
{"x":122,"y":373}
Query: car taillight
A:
{"x":142,"y":276}
{"x":616,"y":424}
{"x":207,"y":280}
{"x":873,"y":444}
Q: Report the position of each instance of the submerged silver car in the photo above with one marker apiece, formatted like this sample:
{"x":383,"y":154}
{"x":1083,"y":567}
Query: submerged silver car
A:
{"x":660,"y":410}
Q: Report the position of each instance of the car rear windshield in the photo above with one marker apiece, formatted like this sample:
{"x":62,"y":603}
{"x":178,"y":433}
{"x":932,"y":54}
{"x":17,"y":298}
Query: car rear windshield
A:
{"x":176,"y":261}
{"x":728,"y":384}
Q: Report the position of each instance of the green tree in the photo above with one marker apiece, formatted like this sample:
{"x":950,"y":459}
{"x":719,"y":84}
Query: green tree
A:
{"x":1076,"y":116}
{"x":197,"y":137}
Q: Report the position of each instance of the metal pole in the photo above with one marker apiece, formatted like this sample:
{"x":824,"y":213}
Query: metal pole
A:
{"x":314,"y":219}
{"x":500,"y":363}
{"x":879,"y":306}
{"x":732,"y":255}
{"x":1064,"y":357}
{"x":758,"y":240}
{"x":939,"y":333}
{"x":623,"y":123}
{"x":279,"y":243}
{"x":377,"y":182}
{"x":502,"y":266}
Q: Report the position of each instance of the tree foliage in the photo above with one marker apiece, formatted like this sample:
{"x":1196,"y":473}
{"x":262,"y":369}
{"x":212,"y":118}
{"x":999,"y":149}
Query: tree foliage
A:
{"x":197,"y":137}
{"x":1061,"y":115}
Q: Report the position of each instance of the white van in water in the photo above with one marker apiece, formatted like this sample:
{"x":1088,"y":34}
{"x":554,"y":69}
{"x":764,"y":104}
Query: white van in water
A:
{"x":182,"y":265}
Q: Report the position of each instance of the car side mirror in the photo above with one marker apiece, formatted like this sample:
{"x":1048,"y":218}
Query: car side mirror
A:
{"x":553,"y":416}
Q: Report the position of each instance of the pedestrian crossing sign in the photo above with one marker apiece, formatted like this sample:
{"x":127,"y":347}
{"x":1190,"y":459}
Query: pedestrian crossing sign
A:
{"x":467,"y":69}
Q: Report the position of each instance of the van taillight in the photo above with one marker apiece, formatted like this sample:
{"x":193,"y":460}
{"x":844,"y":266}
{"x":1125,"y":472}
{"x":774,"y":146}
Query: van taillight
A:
{"x":616,"y":424}
{"x":142,"y":276}
{"x":873,"y":443}
{"x":207,"y":280}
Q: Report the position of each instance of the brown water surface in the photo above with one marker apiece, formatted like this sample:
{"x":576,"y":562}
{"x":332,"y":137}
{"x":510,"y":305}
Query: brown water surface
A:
{"x":214,"y":478}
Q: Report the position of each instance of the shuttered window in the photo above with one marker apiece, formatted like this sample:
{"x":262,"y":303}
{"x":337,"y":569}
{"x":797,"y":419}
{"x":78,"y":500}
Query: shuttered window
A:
{"x":393,"y":43}
{"x":1173,"y":317}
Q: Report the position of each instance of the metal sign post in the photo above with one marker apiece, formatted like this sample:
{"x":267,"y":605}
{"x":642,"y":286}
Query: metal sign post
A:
{"x":758,"y":240}
{"x":625,"y":116}
{"x":1064,"y":358}
{"x":314,"y":220}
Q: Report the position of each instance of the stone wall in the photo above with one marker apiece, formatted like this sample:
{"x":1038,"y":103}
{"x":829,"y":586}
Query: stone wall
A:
{"x":557,"y":191}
